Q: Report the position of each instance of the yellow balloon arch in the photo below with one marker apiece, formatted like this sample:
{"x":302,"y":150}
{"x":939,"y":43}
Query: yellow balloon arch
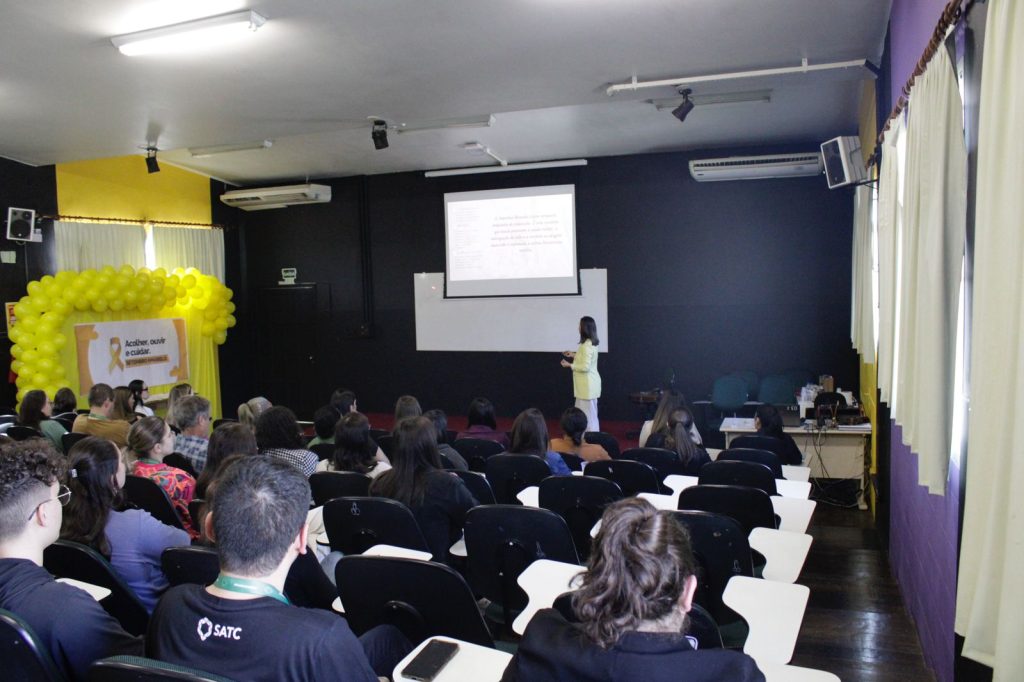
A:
{"x":40,"y":315}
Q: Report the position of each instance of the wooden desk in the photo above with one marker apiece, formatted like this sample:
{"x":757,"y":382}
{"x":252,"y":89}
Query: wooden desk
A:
{"x":838,"y":452}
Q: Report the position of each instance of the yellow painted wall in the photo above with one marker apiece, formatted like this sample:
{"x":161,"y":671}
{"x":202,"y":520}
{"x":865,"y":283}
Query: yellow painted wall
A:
{"x":121,"y":187}
{"x":868,"y":131}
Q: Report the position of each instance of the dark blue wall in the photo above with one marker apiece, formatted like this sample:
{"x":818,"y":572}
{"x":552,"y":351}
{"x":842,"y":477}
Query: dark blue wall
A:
{"x":703,"y":278}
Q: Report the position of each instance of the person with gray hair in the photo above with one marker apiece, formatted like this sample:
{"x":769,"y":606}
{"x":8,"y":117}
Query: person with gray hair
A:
{"x":193,"y":415}
{"x":249,"y":412}
{"x":243,"y":626}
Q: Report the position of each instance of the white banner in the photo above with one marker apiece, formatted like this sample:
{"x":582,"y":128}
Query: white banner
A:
{"x":115,"y":353}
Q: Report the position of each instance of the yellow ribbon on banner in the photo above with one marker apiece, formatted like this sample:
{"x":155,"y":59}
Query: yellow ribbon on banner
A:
{"x":115,"y":354}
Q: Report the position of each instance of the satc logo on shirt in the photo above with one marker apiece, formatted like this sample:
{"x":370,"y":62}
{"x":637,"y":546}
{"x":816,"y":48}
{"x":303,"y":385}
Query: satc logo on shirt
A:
{"x":207,"y":628}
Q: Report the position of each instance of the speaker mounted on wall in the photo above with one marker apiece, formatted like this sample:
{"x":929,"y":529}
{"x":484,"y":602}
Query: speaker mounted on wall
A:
{"x":21,"y":225}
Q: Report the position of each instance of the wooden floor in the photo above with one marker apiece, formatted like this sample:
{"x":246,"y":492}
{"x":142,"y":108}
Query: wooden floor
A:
{"x":855,"y":625}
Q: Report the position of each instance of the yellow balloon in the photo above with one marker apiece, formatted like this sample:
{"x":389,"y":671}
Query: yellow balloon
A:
{"x":44,"y":365}
{"x":21,"y":393}
{"x":117,"y":304}
{"x":34,"y":288}
{"x":70,"y":294}
{"x":41,"y":302}
{"x":188,"y":281}
{"x":229,"y":307}
{"x":82,"y":304}
{"x":231,"y":321}
{"x":100,"y":305}
{"x":29,"y":323}
{"x":47,"y":347}
{"x":46,"y":280}
{"x":221,"y":324}
{"x":181,"y":292}
{"x":127,"y":270}
{"x":220,"y":337}
{"x":17,"y":351}
{"x":207,"y":329}
{"x":20,"y":310}
{"x":160,"y":272}
{"x":16,"y":366}
{"x":51,"y":391}
{"x":210,"y":315}
{"x":200,"y":303}
{"x":61,"y":306}
{"x":108,"y":270}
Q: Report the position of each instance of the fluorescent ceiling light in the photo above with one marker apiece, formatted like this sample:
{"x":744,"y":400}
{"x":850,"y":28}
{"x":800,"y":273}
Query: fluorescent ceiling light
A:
{"x":512,"y":167}
{"x":445,"y":123}
{"x":762,"y":96}
{"x":189,"y":35}
{"x":202,"y":152}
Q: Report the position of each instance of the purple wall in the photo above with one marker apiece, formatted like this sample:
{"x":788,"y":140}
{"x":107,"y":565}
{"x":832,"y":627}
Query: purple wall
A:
{"x":922,"y":549}
{"x":911,"y":24}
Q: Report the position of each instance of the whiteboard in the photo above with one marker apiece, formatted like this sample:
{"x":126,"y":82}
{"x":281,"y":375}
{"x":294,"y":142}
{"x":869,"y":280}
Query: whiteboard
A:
{"x":542,"y":324}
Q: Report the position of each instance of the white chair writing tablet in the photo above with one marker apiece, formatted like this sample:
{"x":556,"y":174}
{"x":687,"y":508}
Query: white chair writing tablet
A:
{"x":398,"y":552}
{"x":774,"y":611}
{"x":784,"y":552}
{"x":529,"y":496}
{"x":677,"y":483}
{"x":794,"y":514}
{"x":543,"y":581}
{"x":665,"y":502}
{"x":95,"y":591}
{"x":471,"y":662}
{"x":801,"y":490}
{"x":777,"y":672}
{"x":793,"y":472}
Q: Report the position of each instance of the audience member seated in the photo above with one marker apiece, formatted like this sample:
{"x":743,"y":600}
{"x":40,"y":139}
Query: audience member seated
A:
{"x":71,"y":625}
{"x":680,"y":439}
{"x":35,"y":411}
{"x":123,"y":409}
{"x":193,"y":415}
{"x":440,"y":421}
{"x":768,"y":422}
{"x":481,"y":423}
{"x":173,"y":398}
{"x":530,"y":437}
{"x":344,"y":401}
{"x":438,"y":499}
{"x":278,"y":435}
{"x":140,"y":393}
{"x":354,"y":450}
{"x":65,"y":403}
{"x":631,"y":608}
{"x":230,"y":438}
{"x":249,"y":412}
{"x":242,"y":626}
{"x":407,"y":406}
{"x":574,"y":423}
{"x":670,"y":400}
{"x":324,"y":421}
{"x":150,"y":440}
{"x":131,"y":539}
{"x":99,"y":422}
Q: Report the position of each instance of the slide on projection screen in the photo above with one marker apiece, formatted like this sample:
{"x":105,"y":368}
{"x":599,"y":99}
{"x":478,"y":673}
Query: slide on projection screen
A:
{"x":511,"y":242}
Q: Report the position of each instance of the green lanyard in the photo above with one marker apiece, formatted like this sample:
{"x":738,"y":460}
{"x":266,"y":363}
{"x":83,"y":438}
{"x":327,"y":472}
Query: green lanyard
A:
{"x":232,"y":584}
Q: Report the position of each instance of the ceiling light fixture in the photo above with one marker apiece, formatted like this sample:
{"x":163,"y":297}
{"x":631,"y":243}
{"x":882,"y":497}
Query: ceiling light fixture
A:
{"x":151,"y":165}
{"x":684,"y":109}
{"x":804,"y":68}
{"x":189,"y":34}
{"x":379,"y":134}
{"x":512,"y":167}
{"x":446,"y":123}
{"x":203,"y":152}
{"x":755,"y":96}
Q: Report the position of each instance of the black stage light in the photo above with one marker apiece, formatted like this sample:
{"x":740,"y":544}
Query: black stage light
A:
{"x":380,"y":134}
{"x":685,"y":108}
{"x":151,"y":165}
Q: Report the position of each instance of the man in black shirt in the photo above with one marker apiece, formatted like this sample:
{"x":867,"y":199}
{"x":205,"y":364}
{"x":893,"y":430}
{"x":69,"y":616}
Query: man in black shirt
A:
{"x":72,"y":626}
{"x":243,"y":626}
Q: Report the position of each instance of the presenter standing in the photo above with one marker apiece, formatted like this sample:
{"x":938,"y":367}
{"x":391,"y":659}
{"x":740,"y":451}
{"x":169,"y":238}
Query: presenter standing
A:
{"x":586,"y":382}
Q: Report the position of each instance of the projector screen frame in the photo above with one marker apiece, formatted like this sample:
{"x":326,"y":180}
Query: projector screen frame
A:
{"x":559,"y":282}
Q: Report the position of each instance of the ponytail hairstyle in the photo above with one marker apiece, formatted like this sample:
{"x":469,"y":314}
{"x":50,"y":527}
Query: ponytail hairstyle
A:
{"x":670,"y":400}
{"x":588,"y":330}
{"x":249,"y":412}
{"x":574,"y":423}
{"x":679,"y":439}
{"x":92,"y":479}
{"x":639,"y":565}
{"x":145,"y":435}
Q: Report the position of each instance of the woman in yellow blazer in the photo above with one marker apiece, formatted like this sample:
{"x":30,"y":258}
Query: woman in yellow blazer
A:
{"x":586,"y":382}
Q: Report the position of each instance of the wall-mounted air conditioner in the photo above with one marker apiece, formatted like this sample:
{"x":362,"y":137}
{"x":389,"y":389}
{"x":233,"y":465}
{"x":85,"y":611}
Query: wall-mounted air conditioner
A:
{"x":260,"y":198}
{"x":756,"y":167}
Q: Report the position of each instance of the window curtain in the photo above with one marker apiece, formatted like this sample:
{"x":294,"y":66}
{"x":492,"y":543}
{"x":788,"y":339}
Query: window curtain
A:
{"x":888,"y":239}
{"x":931,"y":258}
{"x":862,"y":327}
{"x":202,"y":249}
{"x":988,"y":614}
{"x":81,"y":246}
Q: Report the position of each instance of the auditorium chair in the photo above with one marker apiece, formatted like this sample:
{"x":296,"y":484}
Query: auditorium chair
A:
{"x":476,"y":451}
{"x":761,"y":449}
{"x":354,"y":524}
{"x":66,"y":559}
{"x":605,"y":440}
{"x":737,"y":472}
{"x":24,"y":656}
{"x":508,"y":474}
{"x":194,"y":564}
{"x":420,"y":598}
{"x":386,"y":443}
{"x":322,"y":450}
{"x":478,"y":486}
{"x":664,"y":462}
{"x":139,"y":669}
{"x":16,"y":432}
{"x":69,"y":439}
{"x":750,"y":507}
{"x":574,"y":462}
{"x":145,"y":493}
{"x":180,"y":461}
{"x":326,"y":485}
{"x":502,"y":540}
{"x":580,"y":500}
{"x":632,"y":477}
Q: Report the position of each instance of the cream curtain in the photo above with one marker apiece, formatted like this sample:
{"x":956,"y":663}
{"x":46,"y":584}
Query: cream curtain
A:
{"x":862,"y":327}
{"x":888,"y":239}
{"x":81,"y":246}
{"x":931,"y":258}
{"x":190,"y":248}
{"x":988,"y":614}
